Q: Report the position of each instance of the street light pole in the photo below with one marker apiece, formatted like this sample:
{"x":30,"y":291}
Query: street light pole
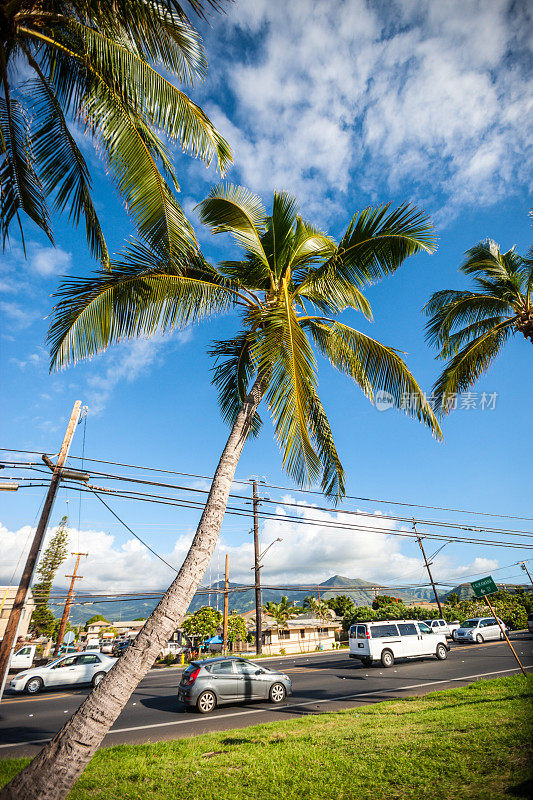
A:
{"x":9,"y":640}
{"x":523,"y":565}
{"x":257,"y":568}
{"x":66,"y":610}
{"x":225,"y":618}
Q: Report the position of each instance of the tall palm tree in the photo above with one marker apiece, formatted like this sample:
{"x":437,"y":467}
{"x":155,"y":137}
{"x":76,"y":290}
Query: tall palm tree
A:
{"x":318,"y":607}
{"x":471,"y":327}
{"x":288,"y":270}
{"x":88,"y":65}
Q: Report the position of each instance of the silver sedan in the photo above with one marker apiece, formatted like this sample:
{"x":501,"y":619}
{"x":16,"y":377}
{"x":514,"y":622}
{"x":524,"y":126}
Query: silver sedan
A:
{"x":66,"y":671}
{"x":206,"y":684}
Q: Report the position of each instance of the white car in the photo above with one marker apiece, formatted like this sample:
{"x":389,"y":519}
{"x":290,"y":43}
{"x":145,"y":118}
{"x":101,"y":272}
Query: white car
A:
{"x":66,"y":671}
{"x":441,"y":626}
{"x":386,"y":641}
{"x":479,"y":630}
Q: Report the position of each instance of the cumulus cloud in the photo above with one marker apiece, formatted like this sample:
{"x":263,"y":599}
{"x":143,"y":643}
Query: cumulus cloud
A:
{"x":48,"y":261}
{"x":374,"y":97}
{"x":310,"y":552}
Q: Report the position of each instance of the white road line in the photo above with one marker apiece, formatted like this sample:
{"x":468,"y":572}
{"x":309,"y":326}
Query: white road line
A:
{"x":290,"y":705}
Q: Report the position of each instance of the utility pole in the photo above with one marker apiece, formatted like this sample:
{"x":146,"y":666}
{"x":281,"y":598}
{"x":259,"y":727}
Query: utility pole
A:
{"x":257,"y":568}
{"x":9,"y":640}
{"x":226,"y":599}
{"x":66,"y":610}
{"x":523,"y":565}
{"x":419,"y":540}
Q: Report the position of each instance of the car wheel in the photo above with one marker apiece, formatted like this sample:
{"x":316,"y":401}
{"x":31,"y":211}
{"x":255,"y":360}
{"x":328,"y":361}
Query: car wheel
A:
{"x":441,"y":652}
{"x":479,"y":639}
{"x":387,"y":658}
{"x":34,"y":685}
{"x":206,"y":702}
{"x":366,"y":661}
{"x":97,"y":678}
{"x":277,"y":693}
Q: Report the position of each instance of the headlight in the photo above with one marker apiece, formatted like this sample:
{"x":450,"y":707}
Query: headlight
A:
{"x":19,"y":676}
{"x":286,"y":677}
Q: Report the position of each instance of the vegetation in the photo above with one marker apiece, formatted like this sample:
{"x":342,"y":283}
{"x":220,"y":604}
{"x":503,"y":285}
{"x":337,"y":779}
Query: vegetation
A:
{"x":96,"y":618}
{"x":471,"y":327}
{"x":89,"y":67}
{"x":451,"y":752}
{"x":203,"y":624}
{"x":341,"y":604}
{"x":291,"y":284}
{"x":319,"y":608}
{"x":237,"y":631}
{"x":43,"y":622}
{"x":381,"y":600}
{"x":512,"y":608}
{"x":282,"y":612}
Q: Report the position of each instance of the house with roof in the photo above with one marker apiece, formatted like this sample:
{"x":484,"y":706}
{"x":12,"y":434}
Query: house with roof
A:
{"x":7,"y":598}
{"x":302,"y":634}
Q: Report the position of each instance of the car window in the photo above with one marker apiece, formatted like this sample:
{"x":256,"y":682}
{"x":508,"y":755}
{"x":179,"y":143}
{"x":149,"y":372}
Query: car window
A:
{"x":66,"y":662}
{"x":24,"y":652}
{"x":424,"y":628}
{"x":470,"y":623}
{"x":381,"y":631}
{"x":88,"y":659}
{"x":407,"y":629}
{"x":246,"y":668}
{"x":222,"y":668}
{"x":442,"y":623}
{"x":361,"y":631}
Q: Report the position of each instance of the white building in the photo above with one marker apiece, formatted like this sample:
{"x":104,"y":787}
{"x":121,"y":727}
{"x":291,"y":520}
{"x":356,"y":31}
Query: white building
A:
{"x":7,"y":598}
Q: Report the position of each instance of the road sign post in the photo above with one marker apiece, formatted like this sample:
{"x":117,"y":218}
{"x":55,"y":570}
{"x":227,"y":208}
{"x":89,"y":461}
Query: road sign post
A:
{"x":482,"y":588}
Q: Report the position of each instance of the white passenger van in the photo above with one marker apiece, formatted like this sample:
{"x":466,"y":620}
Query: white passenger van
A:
{"x":386,"y":641}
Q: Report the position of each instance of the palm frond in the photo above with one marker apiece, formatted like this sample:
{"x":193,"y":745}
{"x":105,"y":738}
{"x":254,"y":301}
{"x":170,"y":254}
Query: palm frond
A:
{"x":378,"y":240}
{"x":62,"y":168}
{"x":332,"y":293}
{"x":233,"y":371}
{"x":374,"y":366}
{"x":279,"y":234}
{"x":451,"y":309}
{"x":20,"y":187}
{"x":124,"y":302}
{"x":467,"y":366}
{"x":236,"y":210}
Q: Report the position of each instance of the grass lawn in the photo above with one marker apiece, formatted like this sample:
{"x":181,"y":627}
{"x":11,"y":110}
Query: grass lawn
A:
{"x":473,"y":742}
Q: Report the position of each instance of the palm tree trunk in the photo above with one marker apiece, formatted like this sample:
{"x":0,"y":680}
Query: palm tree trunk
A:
{"x":53,"y":772}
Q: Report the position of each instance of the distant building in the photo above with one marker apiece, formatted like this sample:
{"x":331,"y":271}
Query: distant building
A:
{"x":303,"y":634}
{"x":7,"y":597}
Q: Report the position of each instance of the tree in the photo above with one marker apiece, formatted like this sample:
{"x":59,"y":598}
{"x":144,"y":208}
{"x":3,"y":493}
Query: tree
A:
{"x":42,"y":619}
{"x":203,"y":624}
{"x":341,"y":605}
{"x":281,"y":612}
{"x":381,"y":600}
{"x":237,"y":631}
{"x":317,"y":607}
{"x":90,"y":66}
{"x":471,"y":327}
{"x":452,"y":599}
{"x":288,"y":270}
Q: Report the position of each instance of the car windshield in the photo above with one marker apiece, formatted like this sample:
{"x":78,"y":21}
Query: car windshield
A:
{"x":471,"y":623}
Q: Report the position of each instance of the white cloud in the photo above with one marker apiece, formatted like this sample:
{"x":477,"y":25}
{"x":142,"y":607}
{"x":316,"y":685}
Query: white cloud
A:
{"x":379,"y":96}
{"x":19,"y":317}
{"x":48,"y":261}
{"x":35,"y":359}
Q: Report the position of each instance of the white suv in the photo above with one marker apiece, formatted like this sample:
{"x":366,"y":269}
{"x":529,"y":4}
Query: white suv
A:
{"x":479,"y":630}
{"x":386,"y":641}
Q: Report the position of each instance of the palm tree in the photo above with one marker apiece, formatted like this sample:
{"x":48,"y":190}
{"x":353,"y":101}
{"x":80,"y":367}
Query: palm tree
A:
{"x":318,"y":607}
{"x":471,"y":327}
{"x":87,"y":65}
{"x":288,"y":269}
{"x":281,"y":612}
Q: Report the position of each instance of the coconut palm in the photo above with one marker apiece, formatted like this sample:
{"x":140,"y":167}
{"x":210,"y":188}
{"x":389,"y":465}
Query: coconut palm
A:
{"x":471,"y":327}
{"x":319,"y":608}
{"x":71,"y":68}
{"x":288,"y":288}
{"x":281,"y":612}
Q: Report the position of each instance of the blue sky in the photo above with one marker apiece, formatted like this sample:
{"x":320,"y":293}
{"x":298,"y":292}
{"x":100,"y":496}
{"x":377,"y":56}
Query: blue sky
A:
{"x":344,"y":105}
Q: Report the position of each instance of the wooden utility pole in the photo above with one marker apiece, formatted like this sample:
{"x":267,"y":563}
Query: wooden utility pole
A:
{"x":419,"y":540}
{"x":257,"y":568}
{"x":523,"y":565}
{"x":66,"y":610}
{"x":8,"y":642}
{"x":226,"y":599}
{"x":504,"y":633}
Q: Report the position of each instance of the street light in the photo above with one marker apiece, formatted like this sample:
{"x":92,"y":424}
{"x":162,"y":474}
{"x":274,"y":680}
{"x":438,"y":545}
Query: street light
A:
{"x":262,"y":555}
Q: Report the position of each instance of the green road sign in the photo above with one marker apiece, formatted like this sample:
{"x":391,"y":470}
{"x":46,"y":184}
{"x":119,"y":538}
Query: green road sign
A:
{"x":484,"y":586}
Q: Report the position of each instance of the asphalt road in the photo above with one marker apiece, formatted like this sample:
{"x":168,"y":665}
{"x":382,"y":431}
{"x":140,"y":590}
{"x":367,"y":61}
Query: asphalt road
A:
{"x":321,"y":682}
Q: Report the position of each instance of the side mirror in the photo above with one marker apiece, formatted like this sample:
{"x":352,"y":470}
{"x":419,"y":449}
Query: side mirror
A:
{"x":260,"y":672}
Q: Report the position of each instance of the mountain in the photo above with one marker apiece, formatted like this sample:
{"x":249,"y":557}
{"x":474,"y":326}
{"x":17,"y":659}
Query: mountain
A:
{"x":243,"y":599}
{"x":465,"y":592}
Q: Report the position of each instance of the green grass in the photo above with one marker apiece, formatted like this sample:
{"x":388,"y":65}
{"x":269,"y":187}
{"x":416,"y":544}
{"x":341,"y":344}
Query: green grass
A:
{"x":473,"y":742}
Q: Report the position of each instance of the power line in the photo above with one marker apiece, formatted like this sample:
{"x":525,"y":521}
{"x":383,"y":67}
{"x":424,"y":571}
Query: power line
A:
{"x":284,"y":488}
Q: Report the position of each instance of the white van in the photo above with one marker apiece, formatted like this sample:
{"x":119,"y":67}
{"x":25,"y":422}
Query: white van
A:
{"x":403,"y":638}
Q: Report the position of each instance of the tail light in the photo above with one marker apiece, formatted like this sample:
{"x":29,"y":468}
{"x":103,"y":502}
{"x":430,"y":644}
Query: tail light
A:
{"x":193,"y":676}
{"x":367,"y":634}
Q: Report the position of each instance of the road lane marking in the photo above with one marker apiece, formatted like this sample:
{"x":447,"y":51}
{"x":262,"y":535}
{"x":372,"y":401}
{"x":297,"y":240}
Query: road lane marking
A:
{"x":273,"y":709}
